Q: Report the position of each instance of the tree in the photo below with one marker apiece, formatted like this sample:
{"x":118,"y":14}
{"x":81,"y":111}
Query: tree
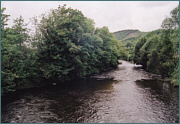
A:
{"x":153,"y":62}
{"x":62,"y":32}
{"x":110,"y":47}
{"x":4,"y":18}
{"x":18,"y":66}
{"x":159,"y":53}
{"x":20,"y":31}
{"x":66,"y":46}
{"x":173,"y":21}
{"x":7,"y":76}
{"x":70,"y":46}
{"x":138,"y":46}
{"x":166,"y":51}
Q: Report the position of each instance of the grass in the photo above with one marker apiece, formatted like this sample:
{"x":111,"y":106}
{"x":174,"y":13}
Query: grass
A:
{"x":175,"y":82}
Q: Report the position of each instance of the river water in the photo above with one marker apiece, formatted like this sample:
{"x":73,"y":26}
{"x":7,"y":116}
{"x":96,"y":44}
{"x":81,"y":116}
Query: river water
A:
{"x":127,"y":94}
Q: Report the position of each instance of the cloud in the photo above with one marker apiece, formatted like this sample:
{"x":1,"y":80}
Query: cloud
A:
{"x":152,"y":4}
{"x":116,"y":15}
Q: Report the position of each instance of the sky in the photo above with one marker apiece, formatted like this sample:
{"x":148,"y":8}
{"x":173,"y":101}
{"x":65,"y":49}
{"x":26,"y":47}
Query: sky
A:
{"x":116,"y":15}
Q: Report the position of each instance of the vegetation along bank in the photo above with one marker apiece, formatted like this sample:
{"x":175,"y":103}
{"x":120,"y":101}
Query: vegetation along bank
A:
{"x":157,"y":51}
{"x":65,"y":45}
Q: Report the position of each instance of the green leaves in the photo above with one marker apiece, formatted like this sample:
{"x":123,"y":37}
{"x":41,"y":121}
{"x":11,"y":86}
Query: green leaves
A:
{"x":70,"y":41}
{"x":173,"y":21}
{"x":18,"y":62}
{"x":4,"y":18}
{"x":65,"y":46}
{"x":159,"y":52}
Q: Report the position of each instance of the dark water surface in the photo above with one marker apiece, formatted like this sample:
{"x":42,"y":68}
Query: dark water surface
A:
{"x":127,"y":94}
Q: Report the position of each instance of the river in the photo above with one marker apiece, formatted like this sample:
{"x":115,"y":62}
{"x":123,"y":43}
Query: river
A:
{"x":127,"y":94}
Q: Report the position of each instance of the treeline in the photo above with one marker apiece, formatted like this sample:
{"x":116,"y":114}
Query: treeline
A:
{"x":128,"y":39}
{"x":65,"y":46}
{"x":158,"y":51}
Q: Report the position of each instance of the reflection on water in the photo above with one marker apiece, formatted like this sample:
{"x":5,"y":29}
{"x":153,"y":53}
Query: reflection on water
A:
{"x":127,"y":94}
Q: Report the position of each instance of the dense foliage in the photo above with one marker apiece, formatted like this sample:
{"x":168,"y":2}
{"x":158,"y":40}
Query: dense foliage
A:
{"x":158,"y":52}
{"x":127,"y":39}
{"x":71,"y":47}
{"x":65,"y":46}
{"x":18,"y":64}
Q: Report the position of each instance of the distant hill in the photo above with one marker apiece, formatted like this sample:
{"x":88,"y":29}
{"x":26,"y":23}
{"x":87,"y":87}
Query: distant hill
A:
{"x":128,"y":34}
{"x":129,"y":38}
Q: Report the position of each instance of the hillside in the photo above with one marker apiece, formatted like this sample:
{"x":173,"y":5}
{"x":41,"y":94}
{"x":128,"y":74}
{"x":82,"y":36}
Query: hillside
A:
{"x":128,"y":40}
{"x":128,"y":34}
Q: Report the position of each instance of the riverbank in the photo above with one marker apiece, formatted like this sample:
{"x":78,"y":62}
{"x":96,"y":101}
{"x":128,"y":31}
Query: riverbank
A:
{"x":175,"y":83}
{"x":98,"y":99}
{"x":29,"y":85}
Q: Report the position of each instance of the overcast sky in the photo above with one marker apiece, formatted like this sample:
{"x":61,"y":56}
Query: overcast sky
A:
{"x":116,"y":15}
